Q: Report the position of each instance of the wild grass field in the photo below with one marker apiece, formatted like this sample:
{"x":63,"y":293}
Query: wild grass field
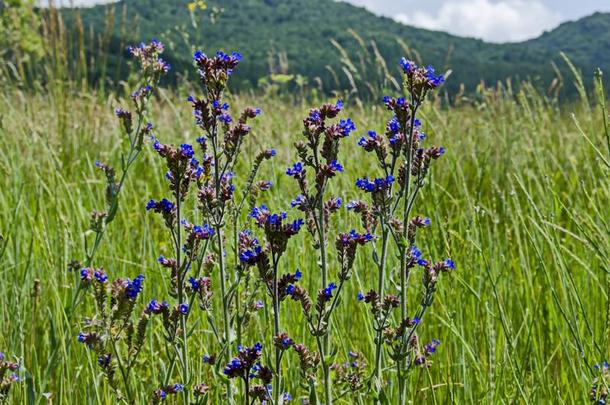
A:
{"x":522,"y":196}
{"x":520,"y":201}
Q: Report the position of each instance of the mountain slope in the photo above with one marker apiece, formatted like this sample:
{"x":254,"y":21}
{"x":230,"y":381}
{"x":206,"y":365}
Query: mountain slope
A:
{"x":303,"y":29}
{"x":586,"y":41}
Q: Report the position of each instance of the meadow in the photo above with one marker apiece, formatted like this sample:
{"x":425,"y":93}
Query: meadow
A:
{"x":520,"y":202}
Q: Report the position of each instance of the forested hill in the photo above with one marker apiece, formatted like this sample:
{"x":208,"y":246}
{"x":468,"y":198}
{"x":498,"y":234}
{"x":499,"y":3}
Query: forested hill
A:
{"x":296,"y":37}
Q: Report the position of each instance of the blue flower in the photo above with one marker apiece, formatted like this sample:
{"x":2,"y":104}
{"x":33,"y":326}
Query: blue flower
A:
{"x":407,"y":66}
{"x":336,"y":166}
{"x":433,"y":79}
{"x":334,"y":203}
{"x":100,"y":276}
{"x":296,"y":169}
{"x":415,"y":252}
{"x":297,"y":224}
{"x":134,"y":287}
{"x":376,"y":185}
{"x":450,"y":264}
{"x":393,"y":125}
{"x":187,"y":150}
{"x":352,"y":205}
{"x":250,"y":255}
{"x":290,"y":289}
{"x":430,"y":348}
{"x":225,"y":118}
{"x":298,"y":201}
{"x":156,"y":307}
{"x":369,"y":142}
{"x":360,"y":296}
{"x":328,"y":291}
{"x":203,"y":232}
{"x":216,"y":104}
{"x":160,"y":206}
{"x":259,"y":212}
{"x":347,"y":126}
{"x":183,"y":309}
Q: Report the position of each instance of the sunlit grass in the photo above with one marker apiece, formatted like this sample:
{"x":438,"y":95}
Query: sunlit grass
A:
{"x":523,"y":197}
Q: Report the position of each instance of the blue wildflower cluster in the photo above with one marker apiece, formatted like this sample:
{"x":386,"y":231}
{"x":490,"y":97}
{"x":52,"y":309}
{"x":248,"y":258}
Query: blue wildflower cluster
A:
{"x":156,"y":307}
{"x":249,"y":248}
{"x":216,"y":267}
{"x":424,"y":77}
{"x":241,"y":365}
{"x":377,"y":185}
{"x":404,"y":163}
{"x":319,"y":163}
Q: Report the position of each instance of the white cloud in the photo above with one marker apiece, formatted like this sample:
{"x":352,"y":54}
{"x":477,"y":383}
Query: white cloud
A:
{"x":502,"y":21}
{"x":75,"y":3}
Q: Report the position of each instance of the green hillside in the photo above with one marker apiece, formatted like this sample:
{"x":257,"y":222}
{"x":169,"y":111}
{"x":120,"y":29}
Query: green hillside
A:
{"x":302,"y":30}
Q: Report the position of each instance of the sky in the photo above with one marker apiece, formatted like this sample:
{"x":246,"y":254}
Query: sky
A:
{"x":491,"y":20}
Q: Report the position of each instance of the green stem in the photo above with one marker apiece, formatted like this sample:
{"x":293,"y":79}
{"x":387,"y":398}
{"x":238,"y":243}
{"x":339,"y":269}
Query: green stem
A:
{"x":184,"y":332}
{"x":225,"y":307}
{"x":404,"y":246}
{"x":381,"y":284}
{"x":325,"y":339}
{"x":276,"y":331}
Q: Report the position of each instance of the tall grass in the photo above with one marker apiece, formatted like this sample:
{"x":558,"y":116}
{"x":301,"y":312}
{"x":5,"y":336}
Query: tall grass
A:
{"x":524,"y":195}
